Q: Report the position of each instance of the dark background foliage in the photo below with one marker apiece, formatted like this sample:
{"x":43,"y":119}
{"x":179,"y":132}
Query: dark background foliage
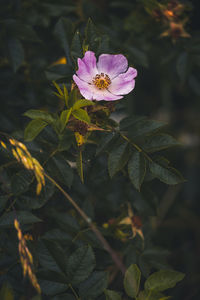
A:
{"x":167,"y":89}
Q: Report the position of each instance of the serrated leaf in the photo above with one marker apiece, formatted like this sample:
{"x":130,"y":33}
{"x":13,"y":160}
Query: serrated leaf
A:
{"x":117,"y":159}
{"x":63,"y":31}
{"x":51,"y":275}
{"x":94,"y":285}
{"x":76,"y":46}
{"x":24,"y":217}
{"x":64,"y":118}
{"x":81,"y":103}
{"x":33,"y":129}
{"x":80,"y":264}
{"x":20,"y":182}
{"x":159,"y":142}
{"x":167,"y":175}
{"x":81,"y":115}
{"x":112,"y":295}
{"x":16,"y":53}
{"x":137,"y":169}
{"x":144,"y":127}
{"x":132,"y":281}
{"x":50,"y":288}
{"x":56,"y":252}
{"x":130,"y":121}
{"x":105,"y":142}
{"x":62,"y":172}
{"x":39,"y":114}
{"x":92,"y":36}
{"x":163,"y":280}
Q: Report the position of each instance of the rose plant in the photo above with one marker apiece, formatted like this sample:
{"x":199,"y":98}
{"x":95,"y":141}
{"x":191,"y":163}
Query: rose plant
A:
{"x":80,"y":236}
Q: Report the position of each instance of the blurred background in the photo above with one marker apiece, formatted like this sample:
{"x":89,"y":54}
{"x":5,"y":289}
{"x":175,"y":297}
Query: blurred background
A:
{"x":161,"y":39}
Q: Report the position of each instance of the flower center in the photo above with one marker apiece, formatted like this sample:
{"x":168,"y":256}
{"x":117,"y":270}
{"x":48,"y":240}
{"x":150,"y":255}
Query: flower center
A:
{"x":102,"y":81}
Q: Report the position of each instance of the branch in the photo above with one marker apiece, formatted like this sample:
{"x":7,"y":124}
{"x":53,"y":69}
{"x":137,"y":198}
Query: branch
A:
{"x":116,"y":259}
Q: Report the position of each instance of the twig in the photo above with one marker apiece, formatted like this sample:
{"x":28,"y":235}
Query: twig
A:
{"x":116,"y":259}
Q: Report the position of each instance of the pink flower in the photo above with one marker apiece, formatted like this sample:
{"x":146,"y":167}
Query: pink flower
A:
{"x":108,"y":79}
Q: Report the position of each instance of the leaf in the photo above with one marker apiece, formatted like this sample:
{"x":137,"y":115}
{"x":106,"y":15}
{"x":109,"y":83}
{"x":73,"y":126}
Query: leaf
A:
{"x":105,"y":142}
{"x":132,"y":281}
{"x":130,"y":121}
{"x":64,"y":118}
{"x":81,"y":103}
{"x":182,"y":66}
{"x":24,"y":217}
{"x":58,"y":89}
{"x":56,"y":252}
{"x":76,"y":46}
{"x":39,"y":114}
{"x":16,"y":53}
{"x":63,"y":31}
{"x":137,"y":169}
{"x":167,"y":175}
{"x":64,"y":297}
{"x":163,"y":280}
{"x":94,"y":285}
{"x":159,"y":142}
{"x":92,"y":36}
{"x":62,"y":172}
{"x":144,"y":127}
{"x":81,"y":115}
{"x":112,"y":295}
{"x":117,"y":159}
{"x":151,"y":295}
{"x":33,"y":128}
{"x":21,"y":181}
{"x":66,"y":95}
{"x":51,"y":275}
{"x":50,"y":288}
{"x":66,"y":222}
{"x":80,"y":264}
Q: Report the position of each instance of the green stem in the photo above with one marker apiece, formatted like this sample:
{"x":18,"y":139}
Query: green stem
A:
{"x":74,"y":292}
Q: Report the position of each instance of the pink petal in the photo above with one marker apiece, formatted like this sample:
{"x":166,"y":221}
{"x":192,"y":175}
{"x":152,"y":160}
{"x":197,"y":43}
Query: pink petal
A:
{"x":112,"y":65}
{"x":123,"y":83}
{"x":91,"y":92}
{"x":87,"y":68}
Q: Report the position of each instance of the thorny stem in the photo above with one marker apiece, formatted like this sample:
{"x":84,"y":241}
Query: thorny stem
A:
{"x":116,"y":259}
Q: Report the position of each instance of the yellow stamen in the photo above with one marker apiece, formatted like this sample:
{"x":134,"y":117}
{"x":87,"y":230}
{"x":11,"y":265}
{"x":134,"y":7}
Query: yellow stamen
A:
{"x":102,"y":81}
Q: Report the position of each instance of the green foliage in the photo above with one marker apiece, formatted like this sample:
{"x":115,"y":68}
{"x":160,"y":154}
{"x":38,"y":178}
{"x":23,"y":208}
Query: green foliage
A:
{"x":163,"y":280}
{"x":100,"y":164}
{"x":80,"y":264}
{"x":132,"y":281}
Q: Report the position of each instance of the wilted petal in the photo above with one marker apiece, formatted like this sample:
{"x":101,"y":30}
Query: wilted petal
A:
{"x":123,"y":83}
{"x":87,"y":68}
{"x":112,"y":65}
{"x":91,"y":92}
